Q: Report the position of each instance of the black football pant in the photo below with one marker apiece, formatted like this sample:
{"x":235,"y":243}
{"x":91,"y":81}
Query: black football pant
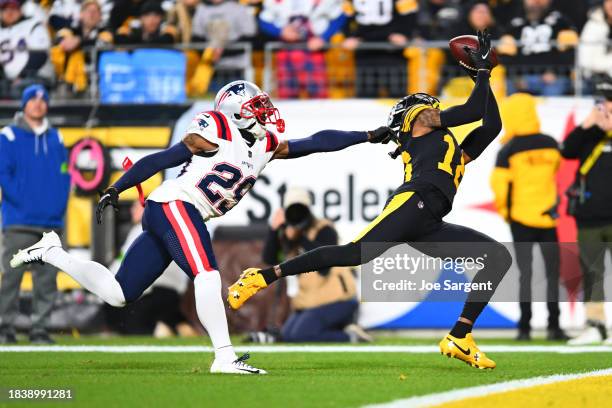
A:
{"x":525,"y":237}
{"x":409,"y":218}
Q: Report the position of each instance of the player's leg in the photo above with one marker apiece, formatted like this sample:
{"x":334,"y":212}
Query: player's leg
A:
{"x":188,"y":242}
{"x":459,"y":342}
{"x":551,"y":253}
{"x":404,"y":218}
{"x":91,"y":275}
{"x":523,"y":238}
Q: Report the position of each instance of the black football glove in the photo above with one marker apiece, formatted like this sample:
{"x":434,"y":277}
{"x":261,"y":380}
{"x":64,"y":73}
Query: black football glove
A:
{"x":382,"y":135}
{"x":480,"y":58}
{"x":109,"y":197}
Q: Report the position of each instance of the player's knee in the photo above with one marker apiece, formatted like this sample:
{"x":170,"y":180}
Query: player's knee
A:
{"x":501,"y":257}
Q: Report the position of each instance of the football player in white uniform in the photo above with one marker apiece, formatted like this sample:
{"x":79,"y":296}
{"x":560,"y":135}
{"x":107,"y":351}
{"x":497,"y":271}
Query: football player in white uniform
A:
{"x":222,"y":154}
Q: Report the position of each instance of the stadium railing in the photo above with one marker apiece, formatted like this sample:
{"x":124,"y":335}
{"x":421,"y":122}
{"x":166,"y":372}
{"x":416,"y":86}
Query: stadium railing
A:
{"x":420,"y":66}
{"x":374,"y":69}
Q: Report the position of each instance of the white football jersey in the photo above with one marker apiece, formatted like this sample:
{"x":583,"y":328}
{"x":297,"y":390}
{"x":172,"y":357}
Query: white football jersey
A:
{"x":216,"y":183}
{"x":18,"y":40}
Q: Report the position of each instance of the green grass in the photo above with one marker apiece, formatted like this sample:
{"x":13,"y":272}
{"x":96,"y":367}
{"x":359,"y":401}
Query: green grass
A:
{"x":295,"y":379}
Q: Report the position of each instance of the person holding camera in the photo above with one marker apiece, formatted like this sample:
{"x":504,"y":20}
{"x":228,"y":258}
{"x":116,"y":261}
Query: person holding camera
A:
{"x":325,"y":304}
{"x":589,"y":201}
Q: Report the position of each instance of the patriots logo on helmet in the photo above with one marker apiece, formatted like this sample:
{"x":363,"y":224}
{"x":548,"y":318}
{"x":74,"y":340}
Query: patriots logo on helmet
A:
{"x":238,"y":89}
{"x":202,"y":123}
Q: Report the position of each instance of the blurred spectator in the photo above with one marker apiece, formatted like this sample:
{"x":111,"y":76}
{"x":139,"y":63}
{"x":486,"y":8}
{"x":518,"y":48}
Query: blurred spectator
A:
{"x":25,"y":46}
{"x":67,"y":55}
{"x":148,"y":29}
{"x":313,"y":22}
{"x":476,"y":16}
{"x":123,"y":13}
{"x":181,"y":17}
{"x":594,"y":51}
{"x":525,"y":188}
{"x":504,"y":10}
{"x":158,"y":311}
{"x":589,"y":202}
{"x":437,"y":17}
{"x":381,"y":73}
{"x":542,"y":62}
{"x":325,"y":304}
{"x":221,"y":22}
{"x":35,"y":184}
{"x":578,"y":10}
{"x":67,"y":13}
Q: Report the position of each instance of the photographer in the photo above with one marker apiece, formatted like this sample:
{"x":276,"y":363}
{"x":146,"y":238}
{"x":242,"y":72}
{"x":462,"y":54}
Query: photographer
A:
{"x":589,"y":202}
{"x":325,"y":303}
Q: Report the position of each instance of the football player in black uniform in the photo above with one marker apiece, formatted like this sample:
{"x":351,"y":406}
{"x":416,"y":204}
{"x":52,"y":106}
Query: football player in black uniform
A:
{"x":434,"y":164}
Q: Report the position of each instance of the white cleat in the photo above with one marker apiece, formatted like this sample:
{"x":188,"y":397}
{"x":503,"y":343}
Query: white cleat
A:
{"x":608,"y":341}
{"x":35,"y":252}
{"x":591,"y":335}
{"x":237,"y":366}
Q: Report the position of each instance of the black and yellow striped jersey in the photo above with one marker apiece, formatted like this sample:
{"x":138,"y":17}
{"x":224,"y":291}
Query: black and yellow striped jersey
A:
{"x":524,"y":180}
{"x":432,"y":160}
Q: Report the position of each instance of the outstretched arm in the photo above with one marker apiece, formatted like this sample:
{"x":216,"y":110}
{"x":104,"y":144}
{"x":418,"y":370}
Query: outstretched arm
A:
{"x":481,"y":137}
{"x":472,"y":110}
{"x":175,"y":155}
{"x":329,"y":141}
{"x":150,"y":165}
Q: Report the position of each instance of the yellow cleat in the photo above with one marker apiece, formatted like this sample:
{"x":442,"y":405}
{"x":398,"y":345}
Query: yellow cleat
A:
{"x":249,"y":283}
{"x":465,"y":350}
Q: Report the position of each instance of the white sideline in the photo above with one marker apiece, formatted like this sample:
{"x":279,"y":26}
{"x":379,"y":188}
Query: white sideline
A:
{"x":416,"y":349}
{"x":484,"y":390}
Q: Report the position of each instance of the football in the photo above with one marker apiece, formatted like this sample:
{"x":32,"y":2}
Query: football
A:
{"x":458,"y":47}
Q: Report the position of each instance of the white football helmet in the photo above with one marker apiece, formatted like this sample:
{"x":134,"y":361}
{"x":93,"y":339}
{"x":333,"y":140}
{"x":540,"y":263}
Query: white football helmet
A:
{"x":248,"y":107}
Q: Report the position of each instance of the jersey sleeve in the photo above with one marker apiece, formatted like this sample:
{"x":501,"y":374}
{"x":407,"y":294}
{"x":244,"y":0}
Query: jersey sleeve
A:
{"x":212,"y":126}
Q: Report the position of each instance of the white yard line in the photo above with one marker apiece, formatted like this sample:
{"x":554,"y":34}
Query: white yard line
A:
{"x":416,"y":349}
{"x":484,"y":390}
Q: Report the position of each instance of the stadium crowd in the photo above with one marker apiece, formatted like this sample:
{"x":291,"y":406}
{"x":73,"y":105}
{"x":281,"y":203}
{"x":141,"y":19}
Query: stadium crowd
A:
{"x":326,"y":46}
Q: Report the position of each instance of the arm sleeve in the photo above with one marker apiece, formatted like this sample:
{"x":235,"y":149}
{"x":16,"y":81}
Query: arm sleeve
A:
{"x":151,"y":164}
{"x":325,"y":141}
{"x":326,"y":236}
{"x":272,"y":248}
{"x":335,"y":26}
{"x":579,"y":140}
{"x":478,"y":139}
{"x":473,"y":109}
{"x":7,"y":170}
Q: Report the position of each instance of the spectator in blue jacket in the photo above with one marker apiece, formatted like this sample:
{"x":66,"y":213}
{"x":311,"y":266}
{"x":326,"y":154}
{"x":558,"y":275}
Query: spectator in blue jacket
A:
{"x":35,"y":184}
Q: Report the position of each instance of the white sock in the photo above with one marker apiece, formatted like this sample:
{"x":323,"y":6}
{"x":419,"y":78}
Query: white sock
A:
{"x":211,"y":312}
{"x":91,"y":275}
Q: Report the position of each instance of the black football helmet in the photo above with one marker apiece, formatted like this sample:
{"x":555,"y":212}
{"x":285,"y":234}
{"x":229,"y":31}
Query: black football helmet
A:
{"x":396,"y":116}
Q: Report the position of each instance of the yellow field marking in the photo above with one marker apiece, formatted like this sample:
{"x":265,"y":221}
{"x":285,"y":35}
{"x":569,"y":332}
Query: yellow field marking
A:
{"x":584,"y":392}
{"x":587,"y":389}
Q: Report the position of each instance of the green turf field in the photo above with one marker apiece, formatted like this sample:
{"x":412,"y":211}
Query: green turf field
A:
{"x":296,"y":379}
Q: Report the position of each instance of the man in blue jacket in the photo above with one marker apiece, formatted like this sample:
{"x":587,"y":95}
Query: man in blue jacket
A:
{"x":35,"y":185}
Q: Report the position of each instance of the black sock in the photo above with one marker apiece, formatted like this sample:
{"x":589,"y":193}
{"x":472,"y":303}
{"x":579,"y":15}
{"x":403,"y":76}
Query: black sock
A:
{"x":461,"y":329}
{"x":269,"y":275}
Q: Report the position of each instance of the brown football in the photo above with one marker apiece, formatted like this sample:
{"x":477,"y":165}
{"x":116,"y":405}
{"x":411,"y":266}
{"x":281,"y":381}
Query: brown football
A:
{"x":457,"y":47}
